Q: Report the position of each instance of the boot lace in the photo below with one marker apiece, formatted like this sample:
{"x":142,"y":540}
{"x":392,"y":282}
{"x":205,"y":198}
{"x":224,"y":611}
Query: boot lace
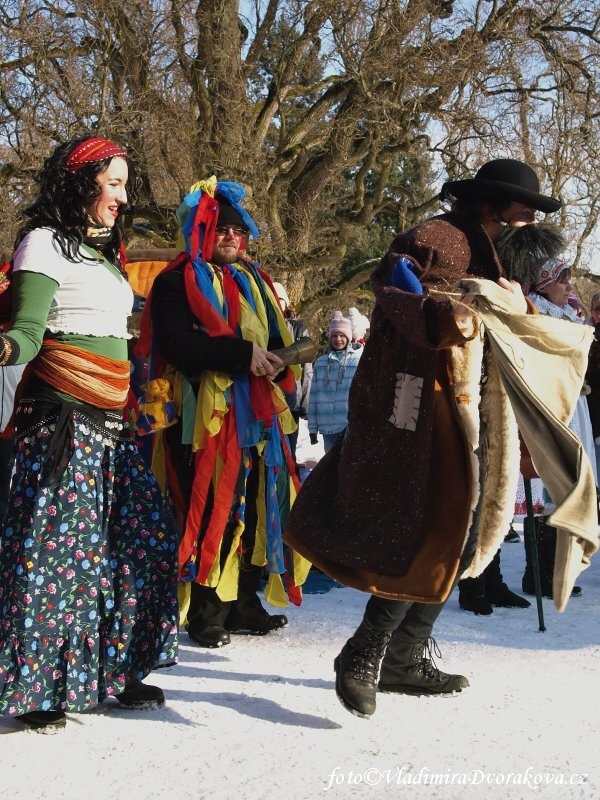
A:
{"x":423,"y":659}
{"x":364,"y":664}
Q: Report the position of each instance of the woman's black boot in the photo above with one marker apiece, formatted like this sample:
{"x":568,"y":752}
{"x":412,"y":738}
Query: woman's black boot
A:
{"x":496,"y":591}
{"x":471,"y":596}
{"x":44,"y":721}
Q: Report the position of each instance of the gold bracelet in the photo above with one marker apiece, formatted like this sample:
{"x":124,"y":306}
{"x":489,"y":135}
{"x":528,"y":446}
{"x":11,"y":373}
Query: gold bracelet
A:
{"x":6,"y":351}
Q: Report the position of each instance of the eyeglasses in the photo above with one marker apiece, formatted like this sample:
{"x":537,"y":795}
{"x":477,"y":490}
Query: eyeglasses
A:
{"x":223,"y":230}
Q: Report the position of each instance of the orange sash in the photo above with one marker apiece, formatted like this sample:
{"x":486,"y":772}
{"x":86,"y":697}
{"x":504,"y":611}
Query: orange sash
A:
{"x":96,"y":380}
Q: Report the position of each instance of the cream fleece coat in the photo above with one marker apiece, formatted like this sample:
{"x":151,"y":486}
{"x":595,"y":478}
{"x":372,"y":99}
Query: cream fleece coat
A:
{"x":541,"y":363}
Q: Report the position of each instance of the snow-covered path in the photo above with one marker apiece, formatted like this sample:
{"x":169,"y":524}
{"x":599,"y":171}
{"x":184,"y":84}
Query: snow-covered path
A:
{"x":260,"y":719}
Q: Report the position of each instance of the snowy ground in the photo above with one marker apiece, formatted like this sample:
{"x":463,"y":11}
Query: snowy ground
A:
{"x":260,"y":719}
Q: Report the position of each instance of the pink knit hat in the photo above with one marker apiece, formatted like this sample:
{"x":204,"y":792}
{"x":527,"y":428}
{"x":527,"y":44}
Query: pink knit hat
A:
{"x":340,"y":324}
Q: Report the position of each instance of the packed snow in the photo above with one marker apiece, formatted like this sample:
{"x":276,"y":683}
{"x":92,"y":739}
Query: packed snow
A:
{"x":259,"y":718}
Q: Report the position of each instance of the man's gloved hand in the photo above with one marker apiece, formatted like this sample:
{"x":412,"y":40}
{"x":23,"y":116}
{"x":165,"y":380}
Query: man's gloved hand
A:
{"x":314,"y":438}
{"x":404,"y":276}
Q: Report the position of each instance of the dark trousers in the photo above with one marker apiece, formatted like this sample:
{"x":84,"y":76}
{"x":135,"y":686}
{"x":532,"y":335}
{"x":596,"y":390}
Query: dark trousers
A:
{"x":407,"y":620}
{"x":206,"y":607}
{"x":293,"y":437}
{"x":413,"y":620}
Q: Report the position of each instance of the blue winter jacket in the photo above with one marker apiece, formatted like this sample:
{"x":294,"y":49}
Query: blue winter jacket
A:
{"x":328,"y":399}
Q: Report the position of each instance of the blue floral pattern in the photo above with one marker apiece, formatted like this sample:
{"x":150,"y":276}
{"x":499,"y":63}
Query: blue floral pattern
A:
{"x":88,"y":575}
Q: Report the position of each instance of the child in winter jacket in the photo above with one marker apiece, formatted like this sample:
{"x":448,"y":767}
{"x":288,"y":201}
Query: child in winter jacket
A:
{"x":332,"y":376}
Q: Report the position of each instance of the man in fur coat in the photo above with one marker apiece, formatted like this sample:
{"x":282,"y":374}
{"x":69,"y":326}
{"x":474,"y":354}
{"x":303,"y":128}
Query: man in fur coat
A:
{"x":394,"y":508}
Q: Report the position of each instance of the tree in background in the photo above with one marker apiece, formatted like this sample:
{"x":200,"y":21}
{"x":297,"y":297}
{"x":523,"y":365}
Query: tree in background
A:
{"x":342,"y":116}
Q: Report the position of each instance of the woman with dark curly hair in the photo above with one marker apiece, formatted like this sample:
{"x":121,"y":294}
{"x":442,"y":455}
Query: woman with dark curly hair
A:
{"x":88,"y":571}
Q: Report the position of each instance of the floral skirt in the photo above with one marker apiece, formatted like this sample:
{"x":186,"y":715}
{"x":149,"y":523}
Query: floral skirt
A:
{"x":88,"y":575}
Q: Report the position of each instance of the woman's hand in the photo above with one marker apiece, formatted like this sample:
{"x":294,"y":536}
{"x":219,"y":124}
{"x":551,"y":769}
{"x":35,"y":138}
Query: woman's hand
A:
{"x":463,"y":313}
{"x":514,"y":288}
{"x":265,"y":363}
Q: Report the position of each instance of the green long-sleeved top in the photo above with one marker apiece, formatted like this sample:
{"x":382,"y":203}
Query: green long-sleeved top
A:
{"x":32,"y":296}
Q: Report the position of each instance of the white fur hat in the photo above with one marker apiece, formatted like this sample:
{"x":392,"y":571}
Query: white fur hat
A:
{"x":281,"y":294}
{"x":360,"y":323}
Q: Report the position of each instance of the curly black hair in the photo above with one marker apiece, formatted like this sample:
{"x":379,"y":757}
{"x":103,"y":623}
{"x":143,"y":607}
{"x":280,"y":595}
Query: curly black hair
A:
{"x":63,"y":197}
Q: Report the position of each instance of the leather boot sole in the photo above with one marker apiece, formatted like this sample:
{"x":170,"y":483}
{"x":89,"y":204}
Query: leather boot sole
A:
{"x":273,"y":622}
{"x":212,"y":637}
{"x":416,"y":691}
{"x":140,"y":705}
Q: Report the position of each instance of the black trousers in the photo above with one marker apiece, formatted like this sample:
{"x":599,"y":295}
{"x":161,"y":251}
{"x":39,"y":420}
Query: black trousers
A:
{"x":293,"y":437}
{"x":407,"y":619}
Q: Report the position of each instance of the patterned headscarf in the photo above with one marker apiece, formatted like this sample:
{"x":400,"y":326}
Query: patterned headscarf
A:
{"x":550,"y":271}
{"x":92,"y":150}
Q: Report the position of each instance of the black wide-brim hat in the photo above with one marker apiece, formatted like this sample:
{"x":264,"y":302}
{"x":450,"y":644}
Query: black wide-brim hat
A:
{"x":504,"y":179}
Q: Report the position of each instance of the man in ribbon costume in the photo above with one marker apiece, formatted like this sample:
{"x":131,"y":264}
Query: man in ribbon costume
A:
{"x":421,"y":489}
{"x":215,"y":320}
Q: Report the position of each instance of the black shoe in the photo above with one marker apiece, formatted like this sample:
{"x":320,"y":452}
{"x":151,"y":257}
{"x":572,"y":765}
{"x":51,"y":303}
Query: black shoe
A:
{"x":512,"y":535}
{"x":258,"y":625}
{"x":502,"y":597}
{"x":478,"y":604}
{"x":44,"y":721}
{"x":138,"y":696}
{"x":211,"y":636}
{"x":421,"y":676}
{"x":356,"y":671}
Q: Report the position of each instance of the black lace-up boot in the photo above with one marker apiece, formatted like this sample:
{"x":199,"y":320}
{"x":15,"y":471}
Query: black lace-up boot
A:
{"x":357,"y":668}
{"x":409,"y":668}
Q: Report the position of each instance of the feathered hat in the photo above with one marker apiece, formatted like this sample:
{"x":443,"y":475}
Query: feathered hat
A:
{"x":199,"y":213}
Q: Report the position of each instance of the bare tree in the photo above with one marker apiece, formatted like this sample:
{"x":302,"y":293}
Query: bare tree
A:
{"x":319,"y":106}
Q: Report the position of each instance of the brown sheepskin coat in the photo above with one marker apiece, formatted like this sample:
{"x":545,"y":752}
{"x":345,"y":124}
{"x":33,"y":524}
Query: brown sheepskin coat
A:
{"x":390,"y":510}
{"x":432,"y":446}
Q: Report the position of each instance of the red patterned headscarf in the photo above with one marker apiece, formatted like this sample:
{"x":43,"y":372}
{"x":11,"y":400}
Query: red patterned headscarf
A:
{"x":91,"y":151}
{"x":550,"y":272}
